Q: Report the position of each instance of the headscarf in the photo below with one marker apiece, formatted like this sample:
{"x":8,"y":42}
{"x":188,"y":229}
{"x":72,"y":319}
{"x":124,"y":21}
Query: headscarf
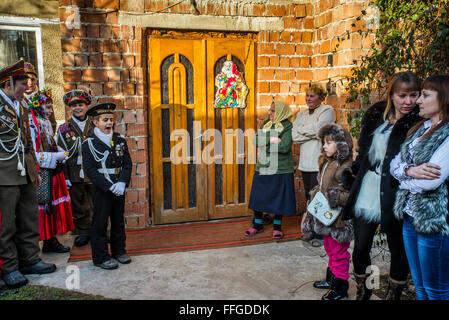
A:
{"x":282,"y":112}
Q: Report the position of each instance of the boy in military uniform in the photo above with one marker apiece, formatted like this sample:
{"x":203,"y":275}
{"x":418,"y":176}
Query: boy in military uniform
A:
{"x":108,"y":165}
{"x":19,"y":221}
{"x":70,"y":137}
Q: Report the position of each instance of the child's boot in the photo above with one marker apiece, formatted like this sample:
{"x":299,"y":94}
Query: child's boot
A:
{"x":395,"y":289}
{"x":339,"y":290}
{"x":324,"y":284}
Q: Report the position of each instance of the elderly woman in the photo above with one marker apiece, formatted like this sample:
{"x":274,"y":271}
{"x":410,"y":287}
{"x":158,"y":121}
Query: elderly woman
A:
{"x":305,"y":128}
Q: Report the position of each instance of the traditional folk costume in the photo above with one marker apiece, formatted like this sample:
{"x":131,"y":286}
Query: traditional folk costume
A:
{"x":108,"y":165}
{"x":55,"y":212}
{"x":70,"y":137}
{"x":19,"y":222}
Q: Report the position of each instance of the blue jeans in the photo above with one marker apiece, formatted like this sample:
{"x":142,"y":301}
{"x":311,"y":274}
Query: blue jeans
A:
{"x":428,"y":257}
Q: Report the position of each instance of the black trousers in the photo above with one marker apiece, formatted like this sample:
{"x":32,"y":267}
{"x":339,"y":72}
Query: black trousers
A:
{"x":107,"y":206}
{"x":310,"y":181}
{"x":363,"y":241}
{"x":81,"y":200}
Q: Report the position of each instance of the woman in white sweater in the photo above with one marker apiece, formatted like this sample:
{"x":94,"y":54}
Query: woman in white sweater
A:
{"x":305,"y":128}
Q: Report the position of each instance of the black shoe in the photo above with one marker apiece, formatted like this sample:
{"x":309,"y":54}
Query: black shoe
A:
{"x":325,"y":284}
{"x":363,"y":293}
{"x":110,"y":264}
{"x":339,"y":290}
{"x":81,"y":241}
{"x":39,"y":267}
{"x":53,"y":245}
{"x":14,"y":279}
{"x":123,"y":258}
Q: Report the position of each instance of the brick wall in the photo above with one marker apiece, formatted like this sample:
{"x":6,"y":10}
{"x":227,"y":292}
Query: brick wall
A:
{"x":109,"y":59}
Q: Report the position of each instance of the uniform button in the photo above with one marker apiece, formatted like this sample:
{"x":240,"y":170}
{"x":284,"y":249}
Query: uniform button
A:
{"x":381,"y":193}
{"x":384,"y":174}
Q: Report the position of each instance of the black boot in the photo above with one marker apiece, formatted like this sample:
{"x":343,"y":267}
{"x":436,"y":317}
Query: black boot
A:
{"x":363,"y":293}
{"x":395,"y":289}
{"x":339,"y":290}
{"x":325,"y":284}
{"x":53,"y":245}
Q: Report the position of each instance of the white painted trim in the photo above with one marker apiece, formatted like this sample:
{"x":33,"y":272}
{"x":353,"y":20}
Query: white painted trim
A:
{"x":40,"y":59}
{"x":207,"y":22}
{"x":26,"y":21}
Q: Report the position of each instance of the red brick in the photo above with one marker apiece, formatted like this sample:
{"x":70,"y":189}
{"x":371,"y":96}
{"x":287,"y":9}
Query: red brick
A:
{"x":68,"y":60}
{"x":285,"y":74}
{"x":285,"y":36}
{"x":265,"y":48}
{"x":263,"y":61}
{"x":141,"y":144}
{"x":113,"y":75}
{"x":142,"y":169}
{"x":93,"y":31}
{"x":294,"y":62}
{"x":95,"y":75}
{"x":128,"y":61}
{"x":300,"y":11}
{"x":132,"y":5}
{"x":95,"y":60}
{"x":284,"y":87}
{"x":263,"y":87}
{"x":284,"y":62}
{"x":105,"y":31}
{"x":73,"y":45}
{"x":275,"y":87}
{"x":96,"y":89}
{"x":129,"y":117}
{"x":71,"y":75}
{"x":264,"y":100}
{"x":81,"y":60}
{"x":274,"y":61}
{"x":259,"y":10}
{"x":288,"y":49}
{"x":275,"y":10}
{"x":98,"y":17}
{"x":131,"y":196}
{"x":106,"y":4}
{"x":292,"y":23}
{"x":265,"y":74}
{"x":111,"y":89}
{"x":112,"y":60}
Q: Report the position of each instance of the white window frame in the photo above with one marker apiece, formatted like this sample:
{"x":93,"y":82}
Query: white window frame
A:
{"x":28,"y":24}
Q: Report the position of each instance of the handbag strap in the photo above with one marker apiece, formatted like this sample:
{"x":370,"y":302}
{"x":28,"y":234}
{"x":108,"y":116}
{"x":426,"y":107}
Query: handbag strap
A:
{"x":322,"y":175}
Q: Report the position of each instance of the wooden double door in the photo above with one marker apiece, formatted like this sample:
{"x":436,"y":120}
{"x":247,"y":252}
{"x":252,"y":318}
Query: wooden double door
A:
{"x":202,"y":158}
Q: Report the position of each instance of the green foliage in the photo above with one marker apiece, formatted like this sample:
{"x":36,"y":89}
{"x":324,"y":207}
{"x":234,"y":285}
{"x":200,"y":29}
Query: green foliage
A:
{"x":35,"y":292}
{"x":412,"y":36}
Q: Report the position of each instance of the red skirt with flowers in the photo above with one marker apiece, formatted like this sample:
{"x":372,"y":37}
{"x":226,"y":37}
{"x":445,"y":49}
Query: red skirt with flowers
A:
{"x":56,"y":217}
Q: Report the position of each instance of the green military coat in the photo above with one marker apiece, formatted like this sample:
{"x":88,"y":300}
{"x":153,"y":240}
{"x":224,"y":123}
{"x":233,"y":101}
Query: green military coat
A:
{"x":11,"y":126}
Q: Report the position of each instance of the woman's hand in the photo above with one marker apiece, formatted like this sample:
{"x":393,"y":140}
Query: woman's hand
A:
{"x":428,"y":171}
{"x":275,"y":140}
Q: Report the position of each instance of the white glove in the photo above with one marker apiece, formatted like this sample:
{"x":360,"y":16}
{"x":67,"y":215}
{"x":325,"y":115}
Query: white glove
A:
{"x":118,"y":188}
{"x":68,"y":183}
{"x":60,"y":156}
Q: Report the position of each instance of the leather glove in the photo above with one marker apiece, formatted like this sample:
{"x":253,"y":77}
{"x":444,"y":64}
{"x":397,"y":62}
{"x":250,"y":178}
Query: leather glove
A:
{"x":60,"y":156}
{"x":68,"y":183}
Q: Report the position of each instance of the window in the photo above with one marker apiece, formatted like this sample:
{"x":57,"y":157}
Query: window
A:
{"x":18,"y":42}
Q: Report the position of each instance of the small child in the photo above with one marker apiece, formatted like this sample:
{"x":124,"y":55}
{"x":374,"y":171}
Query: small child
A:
{"x":108,"y":165}
{"x":336,"y":156}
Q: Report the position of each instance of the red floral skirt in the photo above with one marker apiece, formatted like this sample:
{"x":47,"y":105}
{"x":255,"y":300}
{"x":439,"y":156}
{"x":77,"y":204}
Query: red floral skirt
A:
{"x":57,"y":218}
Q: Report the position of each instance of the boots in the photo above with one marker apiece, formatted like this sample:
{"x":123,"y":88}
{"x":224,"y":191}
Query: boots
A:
{"x":53,"y":245}
{"x":363,"y":293}
{"x":339,"y":290}
{"x":325,"y":284}
{"x":395,"y":289}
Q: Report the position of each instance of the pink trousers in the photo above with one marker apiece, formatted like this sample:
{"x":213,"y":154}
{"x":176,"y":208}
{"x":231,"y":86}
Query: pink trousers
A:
{"x":339,"y":257}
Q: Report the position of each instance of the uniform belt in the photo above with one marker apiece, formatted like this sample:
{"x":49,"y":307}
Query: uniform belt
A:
{"x":109,"y":170}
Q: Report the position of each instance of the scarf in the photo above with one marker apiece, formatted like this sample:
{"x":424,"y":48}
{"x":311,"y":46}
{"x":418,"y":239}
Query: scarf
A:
{"x":106,"y":138}
{"x":79,"y":123}
{"x":281,"y":112}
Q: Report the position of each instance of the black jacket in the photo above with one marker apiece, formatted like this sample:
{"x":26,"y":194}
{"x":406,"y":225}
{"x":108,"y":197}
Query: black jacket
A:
{"x":372,"y":119}
{"x":118,"y":158}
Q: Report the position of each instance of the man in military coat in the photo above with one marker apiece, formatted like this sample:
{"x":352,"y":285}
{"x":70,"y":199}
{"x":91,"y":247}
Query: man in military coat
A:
{"x":70,"y":137}
{"x":19,"y":221}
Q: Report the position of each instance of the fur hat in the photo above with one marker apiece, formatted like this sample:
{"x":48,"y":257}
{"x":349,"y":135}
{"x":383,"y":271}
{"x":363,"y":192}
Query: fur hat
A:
{"x":341,"y":137}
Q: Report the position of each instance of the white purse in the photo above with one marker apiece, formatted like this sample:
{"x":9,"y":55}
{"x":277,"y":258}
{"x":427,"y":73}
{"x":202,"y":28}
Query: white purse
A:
{"x":320,"y":209}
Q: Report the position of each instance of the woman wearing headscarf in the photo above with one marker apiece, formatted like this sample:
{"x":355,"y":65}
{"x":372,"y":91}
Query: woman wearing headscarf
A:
{"x":273,"y":189}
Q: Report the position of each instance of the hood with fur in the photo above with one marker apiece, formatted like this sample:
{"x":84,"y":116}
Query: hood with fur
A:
{"x":342,"y":138}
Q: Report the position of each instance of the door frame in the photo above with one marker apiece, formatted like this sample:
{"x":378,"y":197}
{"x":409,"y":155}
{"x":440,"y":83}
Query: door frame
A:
{"x":210,"y":208}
